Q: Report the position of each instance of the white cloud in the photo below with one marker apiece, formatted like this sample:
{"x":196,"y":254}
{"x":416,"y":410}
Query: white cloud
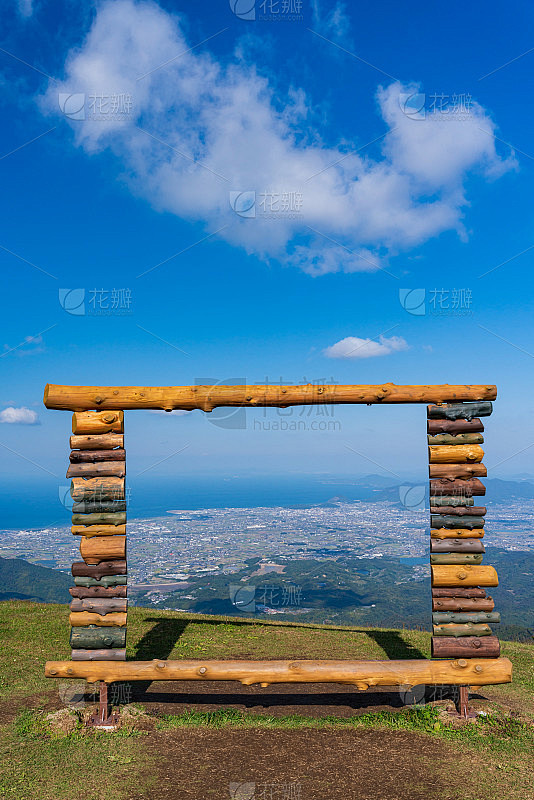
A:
{"x":19,"y":416}
{"x":199,"y":129}
{"x":333,"y":23}
{"x":354,"y":347}
{"x":25,"y":7}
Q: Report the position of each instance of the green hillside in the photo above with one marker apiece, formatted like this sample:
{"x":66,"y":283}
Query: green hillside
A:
{"x":20,"y":580}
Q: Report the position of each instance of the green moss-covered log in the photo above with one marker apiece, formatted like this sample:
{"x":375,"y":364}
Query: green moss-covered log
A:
{"x":118,"y":518}
{"x":459,"y":438}
{"x":468,"y":629}
{"x":441,"y":617}
{"x":452,"y":521}
{"x":99,"y":506}
{"x":456,"y":558}
{"x":105,"y":581}
{"x":94,"y":637}
{"x":455,"y":411}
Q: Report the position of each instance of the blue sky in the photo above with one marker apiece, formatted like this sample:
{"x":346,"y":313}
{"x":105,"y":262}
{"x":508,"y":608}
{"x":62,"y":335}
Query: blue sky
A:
{"x":384,"y":147}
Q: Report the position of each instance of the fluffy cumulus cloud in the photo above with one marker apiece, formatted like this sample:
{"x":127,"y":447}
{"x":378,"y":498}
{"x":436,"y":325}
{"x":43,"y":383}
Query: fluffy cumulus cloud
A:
{"x":19,"y":416}
{"x":354,"y":347}
{"x":214,"y":143}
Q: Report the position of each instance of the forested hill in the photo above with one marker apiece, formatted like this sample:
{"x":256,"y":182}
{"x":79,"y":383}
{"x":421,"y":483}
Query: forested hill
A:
{"x":20,"y":580}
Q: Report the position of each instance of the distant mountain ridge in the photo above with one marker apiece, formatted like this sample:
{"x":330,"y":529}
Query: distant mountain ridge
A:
{"x":20,"y":580}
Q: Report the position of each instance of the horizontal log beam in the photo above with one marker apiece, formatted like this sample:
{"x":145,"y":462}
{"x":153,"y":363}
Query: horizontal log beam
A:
{"x":457,"y":471}
{"x":94,"y":422}
{"x":459,"y":439}
{"x":469,"y":629}
{"x":97,"y":638}
{"x":463,"y":604}
{"x":108,"y":654}
{"x":452,"y":521}
{"x":98,"y":530}
{"x":461,"y":488}
{"x":460,"y":511}
{"x":467,"y":575}
{"x":92,"y":456}
{"x":98,"y":591}
{"x":104,"y":488}
{"x":456,"y":558}
{"x":458,"y":592}
{"x":113,"y":518}
{"x":456,"y":426}
{"x":105,"y":581}
{"x":116,"y":469}
{"x":455,"y":411}
{"x":99,"y":605}
{"x":102,"y":548}
{"x":86,"y":618}
{"x":452,"y":500}
{"x":456,"y":546}
{"x":206,"y":398}
{"x":81,"y":569}
{"x":440,"y":617}
{"x":362,"y":674}
{"x":98,"y":506}
{"x":458,"y":454}
{"x":466,"y":647}
{"x":457,"y":533}
{"x":97,"y":441}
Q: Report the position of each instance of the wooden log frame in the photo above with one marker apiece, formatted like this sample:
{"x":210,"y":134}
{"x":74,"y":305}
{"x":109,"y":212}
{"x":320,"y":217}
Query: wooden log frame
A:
{"x":99,"y":605}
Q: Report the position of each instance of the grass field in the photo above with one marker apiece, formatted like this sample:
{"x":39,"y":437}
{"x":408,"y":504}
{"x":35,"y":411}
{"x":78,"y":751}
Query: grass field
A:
{"x":487,"y":759}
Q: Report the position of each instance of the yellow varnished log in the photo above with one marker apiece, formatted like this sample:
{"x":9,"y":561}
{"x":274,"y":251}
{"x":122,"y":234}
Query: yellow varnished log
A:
{"x":102,"y":548}
{"x":102,"y":488}
{"x":79,"y":398}
{"x":463,"y":575}
{"x":116,"y":619}
{"x":456,"y":533}
{"x":479,"y":671}
{"x":98,"y":422}
{"x":455,"y":454}
{"x":97,"y":441}
{"x":98,"y":530}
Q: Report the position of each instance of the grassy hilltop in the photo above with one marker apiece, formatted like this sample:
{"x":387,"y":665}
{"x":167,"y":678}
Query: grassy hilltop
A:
{"x":198,"y":741}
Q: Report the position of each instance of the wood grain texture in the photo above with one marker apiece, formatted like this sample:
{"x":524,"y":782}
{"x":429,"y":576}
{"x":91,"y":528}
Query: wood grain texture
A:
{"x":362,"y":674}
{"x":106,"y":605}
{"x":456,"y":558}
{"x":452,"y":521}
{"x":96,"y":638}
{"x":116,"y":469}
{"x":81,"y":569}
{"x":92,"y":456}
{"x":97,"y":422}
{"x":98,"y":530}
{"x":463,"y":575}
{"x":457,"y":533}
{"x":456,"y":411}
{"x":468,"y":629}
{"x":86,"y":618}
{"x":457,"y":471}
{"x":455,"y":501}
{"x":115,"y":518}
{"x":97,"y":441}
{"x":441,"y":617}
{"x":459,"y":454}
{"x":456,"y":546}
{"x":98,"y":591}
{"x":460,"y":488}
{"x":98,"y":506}
{"x":105,"y":488}
{"x":458,"y":426}
{"x":463,"y":604}
{"x":206,"y":398}
{"x":460,"y":511}
{"x":105,"y":581}
{"x":458,"y":592}
{"x":107,"y":654}
{"x":102,"y":548}
{"x":458,"y":439}
{"x":466,"y":647}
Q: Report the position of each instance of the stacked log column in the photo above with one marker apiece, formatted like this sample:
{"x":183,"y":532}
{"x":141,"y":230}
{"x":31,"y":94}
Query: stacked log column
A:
{"x":461,"y":607}
{"x":98,"y":470}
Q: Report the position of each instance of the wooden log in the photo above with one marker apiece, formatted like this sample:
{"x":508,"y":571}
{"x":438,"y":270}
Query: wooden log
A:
{"x":463,"y":575}
{"x":453,"y":427}
{"x":98,"y":422}
{"x":116,"y":469}
{"x":458,"y":592}
{"x":92,"y":456}
{"x":455,"y":411}
{"x":469,"y":629}
{"x":97,"y":591}
{"x":99,"y":441}
{"x":460,"y":511}
{"x":459,"y":454}
{"x":440,"y":617}
{"x":456,"y":558}
{"x":460,"y":438}
{"x":206,"y":398}
{"x":480,"y":672}
{"x":457,"y":533}
{"x":102,"y":548}
{"x":95,"y":638}
{"x":456,"y":546}
{"x":466,"y":647}
{"x":116,"y":567}
{"x":463,"y":604}
{"x":457,"y":471}
{"x":454,"y":500}
{"x":105,"y":606}
{"x":98,"y":507}
{"x":460,"y":488}
{"x":107,"y":654}
{"x":115,"y":518}
{"x":105,"y":488}
{"x":98,"y":530}
{"x":80,"y":619}
{"x":446,"y":521}
{"x":105,"y":581}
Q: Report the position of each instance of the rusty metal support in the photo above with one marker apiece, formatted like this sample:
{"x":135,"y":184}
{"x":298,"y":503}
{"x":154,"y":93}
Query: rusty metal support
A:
{"x":103,"y":718}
